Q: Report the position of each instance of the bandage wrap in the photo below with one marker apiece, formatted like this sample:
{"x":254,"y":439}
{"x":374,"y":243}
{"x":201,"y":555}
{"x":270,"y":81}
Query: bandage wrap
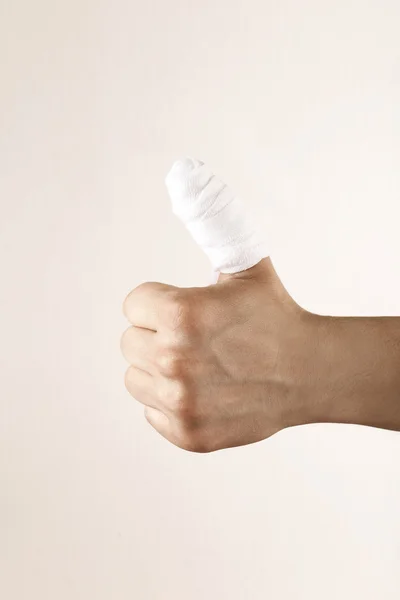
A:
{"x":215,"y":217}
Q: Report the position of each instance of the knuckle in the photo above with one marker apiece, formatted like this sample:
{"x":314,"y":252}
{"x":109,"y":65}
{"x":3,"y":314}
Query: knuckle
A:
{"x":125,"y":338}
{"x":141,"y":291}
{"x":170,"y":363}
{"x":129,"y":300}
{"x":194,"y":442}
{"x":131,"y":382}
{"x":127,"y":380}
{"x":191,"y":433}
{"x":125,"y":305}
{"x":178,"y":400}
{"x":181,"y":312}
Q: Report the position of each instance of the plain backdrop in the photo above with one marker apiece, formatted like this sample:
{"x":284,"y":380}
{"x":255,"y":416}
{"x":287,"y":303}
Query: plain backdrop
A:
{"x":296,"y":105}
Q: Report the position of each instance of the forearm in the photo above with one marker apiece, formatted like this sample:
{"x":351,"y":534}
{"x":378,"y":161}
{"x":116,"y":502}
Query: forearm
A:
{"x":357,"y":371}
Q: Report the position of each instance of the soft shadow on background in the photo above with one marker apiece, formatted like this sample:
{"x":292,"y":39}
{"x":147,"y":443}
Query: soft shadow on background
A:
{"x":296,"y":105}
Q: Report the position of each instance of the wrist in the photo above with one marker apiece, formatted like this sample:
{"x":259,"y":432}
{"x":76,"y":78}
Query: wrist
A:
{"x":354,"y":371}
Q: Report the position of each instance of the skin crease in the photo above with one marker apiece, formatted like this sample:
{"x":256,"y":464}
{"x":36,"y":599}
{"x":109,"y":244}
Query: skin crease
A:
{"x":235,"y":362}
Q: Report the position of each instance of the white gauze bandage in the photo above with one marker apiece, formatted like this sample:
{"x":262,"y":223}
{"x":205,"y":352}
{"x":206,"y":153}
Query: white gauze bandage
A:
{"x":215,"y":217}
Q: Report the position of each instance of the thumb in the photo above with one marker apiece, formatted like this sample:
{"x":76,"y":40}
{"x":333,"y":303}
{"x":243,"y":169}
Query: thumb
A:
{"x":215,"y":217}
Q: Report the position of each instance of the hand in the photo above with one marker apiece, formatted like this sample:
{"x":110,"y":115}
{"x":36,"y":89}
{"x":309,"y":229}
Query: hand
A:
{"x":223,"y":365}
{"x":235,"y":362}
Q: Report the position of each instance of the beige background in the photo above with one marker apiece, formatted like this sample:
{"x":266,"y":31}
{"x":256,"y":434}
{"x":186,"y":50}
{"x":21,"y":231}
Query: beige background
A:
{"x":296,"y":104}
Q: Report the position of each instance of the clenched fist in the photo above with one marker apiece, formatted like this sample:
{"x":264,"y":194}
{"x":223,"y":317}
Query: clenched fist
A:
{"x":219,"y":366}
{"x":208,"y":362}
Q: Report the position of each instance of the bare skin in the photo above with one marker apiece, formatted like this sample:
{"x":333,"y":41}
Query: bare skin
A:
{"x":234,"y":363}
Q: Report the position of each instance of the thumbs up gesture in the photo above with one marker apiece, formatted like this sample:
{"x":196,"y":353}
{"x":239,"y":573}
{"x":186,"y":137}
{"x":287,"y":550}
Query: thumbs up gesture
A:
{"x":223,"y":365}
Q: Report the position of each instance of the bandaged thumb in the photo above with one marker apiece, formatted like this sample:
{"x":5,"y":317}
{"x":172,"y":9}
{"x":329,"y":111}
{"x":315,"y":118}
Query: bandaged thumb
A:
{"x":215,"y":217}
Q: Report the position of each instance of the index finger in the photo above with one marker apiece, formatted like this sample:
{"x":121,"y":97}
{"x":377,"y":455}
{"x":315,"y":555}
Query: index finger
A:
{"x":145,"y":305}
